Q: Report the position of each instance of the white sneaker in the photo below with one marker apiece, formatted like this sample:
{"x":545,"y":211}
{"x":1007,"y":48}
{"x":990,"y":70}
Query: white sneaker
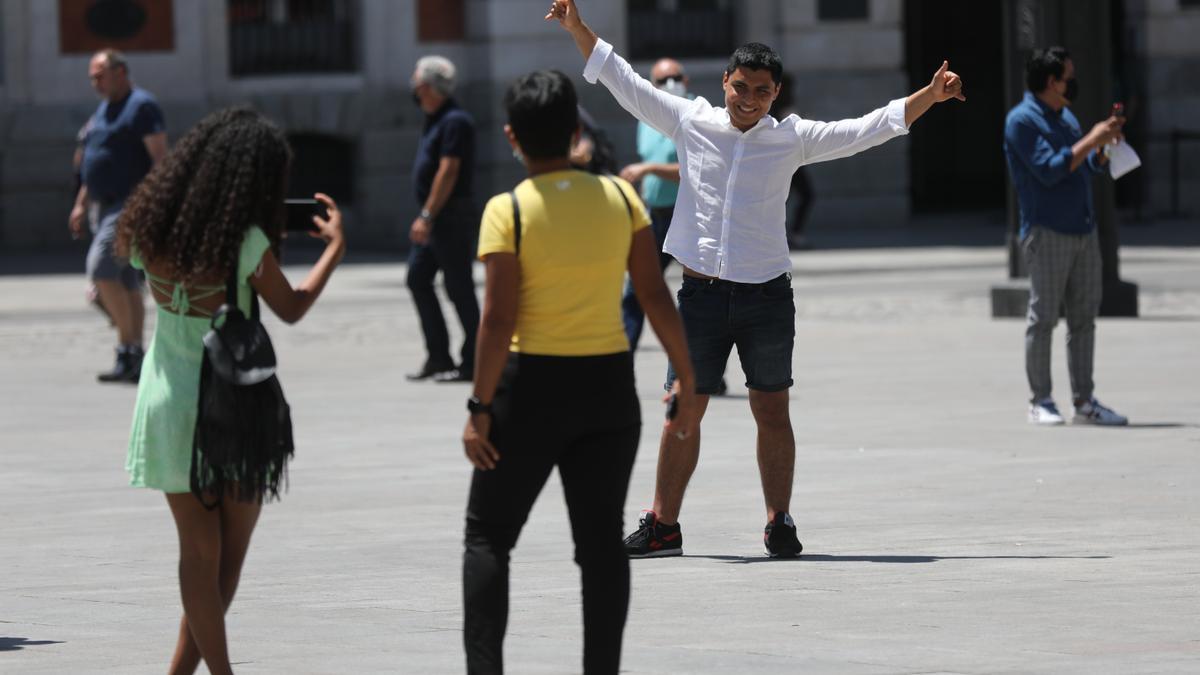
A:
{"x":1045,"y":413}
{"x":1092,"y":412}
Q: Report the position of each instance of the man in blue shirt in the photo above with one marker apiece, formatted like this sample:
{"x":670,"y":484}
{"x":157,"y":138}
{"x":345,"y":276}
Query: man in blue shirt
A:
{"x":443,"y":233}
{"x":1051,"y":163}
{"x":120,"y":143}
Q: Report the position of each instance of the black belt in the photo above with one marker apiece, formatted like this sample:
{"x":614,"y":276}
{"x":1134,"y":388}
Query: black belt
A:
{"x":725,"y":283}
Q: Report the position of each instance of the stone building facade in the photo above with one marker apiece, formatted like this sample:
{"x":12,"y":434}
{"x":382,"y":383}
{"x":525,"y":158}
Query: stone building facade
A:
{"x":345,"y":100}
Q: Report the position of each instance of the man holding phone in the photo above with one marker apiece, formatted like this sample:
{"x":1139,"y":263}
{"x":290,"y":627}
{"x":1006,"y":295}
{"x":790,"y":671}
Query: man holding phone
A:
{"x":1051,"y":163}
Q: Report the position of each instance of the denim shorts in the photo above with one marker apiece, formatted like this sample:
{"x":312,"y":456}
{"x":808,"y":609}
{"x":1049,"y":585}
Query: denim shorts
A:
{"x":760,"y":319}
{"x":103,"y":263}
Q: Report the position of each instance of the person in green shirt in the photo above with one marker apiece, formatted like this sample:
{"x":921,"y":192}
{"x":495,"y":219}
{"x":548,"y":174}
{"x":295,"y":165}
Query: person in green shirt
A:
{"x":658,"y":174}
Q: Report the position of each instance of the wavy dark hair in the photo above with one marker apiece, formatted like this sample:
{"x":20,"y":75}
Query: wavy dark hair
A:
{"x":193,"y":210}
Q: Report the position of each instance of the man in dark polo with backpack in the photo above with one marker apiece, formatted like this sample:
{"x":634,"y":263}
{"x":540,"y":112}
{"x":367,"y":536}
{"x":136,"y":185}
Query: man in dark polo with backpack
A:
{"x":444,"y":231}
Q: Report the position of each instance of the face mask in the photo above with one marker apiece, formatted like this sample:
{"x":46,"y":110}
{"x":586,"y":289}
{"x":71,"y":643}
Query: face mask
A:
{"x":1072,"y":89}
{"x":675,"y":88}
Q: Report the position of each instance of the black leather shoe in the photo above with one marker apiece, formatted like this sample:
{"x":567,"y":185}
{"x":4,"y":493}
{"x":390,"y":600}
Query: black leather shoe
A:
{"x":455,"y":375}
{"x":128,"y":367}
{"x":427,"y":371}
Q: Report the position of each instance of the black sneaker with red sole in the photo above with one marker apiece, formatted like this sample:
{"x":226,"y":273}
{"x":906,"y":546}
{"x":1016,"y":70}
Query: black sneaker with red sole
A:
{"x":780,"y":538}
{"x":652,"y":539}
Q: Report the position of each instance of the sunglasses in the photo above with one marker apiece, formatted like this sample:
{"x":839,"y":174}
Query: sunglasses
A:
{"x":663,"y":80}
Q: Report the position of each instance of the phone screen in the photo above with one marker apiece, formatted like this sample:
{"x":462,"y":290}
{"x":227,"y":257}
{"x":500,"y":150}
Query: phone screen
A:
{"x":300,"y":213}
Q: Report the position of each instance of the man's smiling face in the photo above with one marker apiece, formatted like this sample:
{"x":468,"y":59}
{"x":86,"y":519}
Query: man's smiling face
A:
{"x":748,"y":96}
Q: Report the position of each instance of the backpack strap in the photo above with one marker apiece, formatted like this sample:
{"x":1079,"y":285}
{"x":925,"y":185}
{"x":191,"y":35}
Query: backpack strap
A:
{"x":628,"y":206}
{"x":231,"y":292}
{"x":516,"y":223}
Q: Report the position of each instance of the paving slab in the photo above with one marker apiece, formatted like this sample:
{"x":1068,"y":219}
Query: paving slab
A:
{"x":942,"y":533}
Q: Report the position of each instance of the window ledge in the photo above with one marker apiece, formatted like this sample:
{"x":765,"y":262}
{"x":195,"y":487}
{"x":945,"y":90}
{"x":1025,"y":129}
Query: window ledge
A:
{"x":297,"y":82}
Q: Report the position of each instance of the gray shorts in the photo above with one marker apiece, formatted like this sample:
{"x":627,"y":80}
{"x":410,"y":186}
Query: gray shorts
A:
{"x":103,"y":264}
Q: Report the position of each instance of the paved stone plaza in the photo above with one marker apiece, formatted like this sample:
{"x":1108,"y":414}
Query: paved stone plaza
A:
{"x":941,"y":532}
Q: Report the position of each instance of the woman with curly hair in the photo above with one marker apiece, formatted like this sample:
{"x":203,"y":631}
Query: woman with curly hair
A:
{"x":216,"y":201}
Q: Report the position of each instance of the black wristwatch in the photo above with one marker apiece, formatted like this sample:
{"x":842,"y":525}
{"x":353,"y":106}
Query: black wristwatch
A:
{"x":478,"y":407}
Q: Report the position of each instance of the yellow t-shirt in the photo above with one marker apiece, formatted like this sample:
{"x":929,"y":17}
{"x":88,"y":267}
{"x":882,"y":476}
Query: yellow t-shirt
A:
{"x":575,"y":237}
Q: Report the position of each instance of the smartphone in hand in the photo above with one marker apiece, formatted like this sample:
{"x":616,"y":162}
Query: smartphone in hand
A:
{"x":300,"y":214}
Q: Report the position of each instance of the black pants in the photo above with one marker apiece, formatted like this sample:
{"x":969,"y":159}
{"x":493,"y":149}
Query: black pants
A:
{"x":582,"y":415}
{"x":451,"y":249}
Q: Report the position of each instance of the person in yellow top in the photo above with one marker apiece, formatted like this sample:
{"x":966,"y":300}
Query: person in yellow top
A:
{"x":554,"y":380}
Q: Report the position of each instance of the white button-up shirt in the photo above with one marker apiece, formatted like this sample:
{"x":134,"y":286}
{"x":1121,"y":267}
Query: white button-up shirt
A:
{"x":730,"y":216}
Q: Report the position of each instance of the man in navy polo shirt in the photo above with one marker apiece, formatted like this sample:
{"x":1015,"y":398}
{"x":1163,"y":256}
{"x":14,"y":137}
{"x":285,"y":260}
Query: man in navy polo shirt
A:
{"x":124,"y":138}
{"x":1052,"y":163}
{"x":444,"y":232}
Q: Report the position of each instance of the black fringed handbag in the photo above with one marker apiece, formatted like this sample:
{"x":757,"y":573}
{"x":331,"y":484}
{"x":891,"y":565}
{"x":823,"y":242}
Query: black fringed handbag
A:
{"x":243,"y":434}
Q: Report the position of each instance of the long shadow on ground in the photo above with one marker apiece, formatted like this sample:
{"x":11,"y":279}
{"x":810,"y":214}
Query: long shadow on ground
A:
{"x":901,"y":559}
{"x":12,"y":644}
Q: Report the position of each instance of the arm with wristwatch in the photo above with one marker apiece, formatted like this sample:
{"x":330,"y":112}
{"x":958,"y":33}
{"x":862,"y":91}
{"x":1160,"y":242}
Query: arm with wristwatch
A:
{"x":443,"y":186}
{"x":492,"y":345}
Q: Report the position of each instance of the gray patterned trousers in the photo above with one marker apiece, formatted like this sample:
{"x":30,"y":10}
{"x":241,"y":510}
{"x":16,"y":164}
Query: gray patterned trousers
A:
{"x":1065,"y":276}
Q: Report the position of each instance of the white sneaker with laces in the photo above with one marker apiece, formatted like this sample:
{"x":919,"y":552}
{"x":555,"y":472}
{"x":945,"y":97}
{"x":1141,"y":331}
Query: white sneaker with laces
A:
{"x":1092,"y":412}
{"x":1045,"y":413}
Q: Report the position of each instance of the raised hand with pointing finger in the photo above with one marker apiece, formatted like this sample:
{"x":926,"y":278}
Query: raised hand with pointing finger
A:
{"x":565,"y":12}
{"x":567,"y":15}
{"x":946,"y":84}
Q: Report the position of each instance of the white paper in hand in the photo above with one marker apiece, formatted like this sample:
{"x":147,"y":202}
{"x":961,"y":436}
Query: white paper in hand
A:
{"x":1122,"y":159}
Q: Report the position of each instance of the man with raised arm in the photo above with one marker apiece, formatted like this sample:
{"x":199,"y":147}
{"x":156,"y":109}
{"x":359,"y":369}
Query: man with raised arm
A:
{"x":728,"y":233}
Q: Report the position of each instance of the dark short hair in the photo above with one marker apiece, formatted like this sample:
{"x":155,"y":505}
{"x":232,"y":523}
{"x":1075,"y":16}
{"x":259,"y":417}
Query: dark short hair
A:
{"x":1042,"y":64}
{"x":756,"y":56}
{"x":543,"y":113}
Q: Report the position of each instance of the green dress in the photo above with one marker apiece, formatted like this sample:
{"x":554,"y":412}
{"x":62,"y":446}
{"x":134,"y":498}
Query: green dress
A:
{"x":164,"y":417}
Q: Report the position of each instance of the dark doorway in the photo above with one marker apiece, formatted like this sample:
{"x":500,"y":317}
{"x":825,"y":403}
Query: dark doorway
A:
{"x":322,"y":163}
{"x":956,"y":159}
{"x":1129,"y":79}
